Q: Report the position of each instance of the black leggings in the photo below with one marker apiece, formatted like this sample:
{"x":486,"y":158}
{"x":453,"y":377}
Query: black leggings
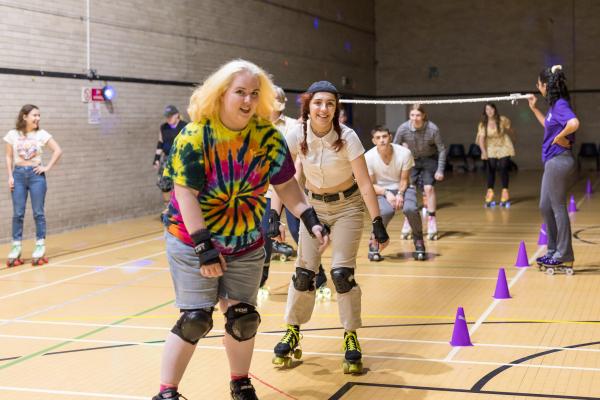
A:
{"x":501,"y":164}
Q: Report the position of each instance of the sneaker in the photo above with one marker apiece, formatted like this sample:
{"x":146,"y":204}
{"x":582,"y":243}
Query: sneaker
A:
{"x":242,"y":389}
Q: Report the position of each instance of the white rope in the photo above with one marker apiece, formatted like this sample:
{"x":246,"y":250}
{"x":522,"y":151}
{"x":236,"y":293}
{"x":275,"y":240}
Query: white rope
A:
{"x":513,"y":97}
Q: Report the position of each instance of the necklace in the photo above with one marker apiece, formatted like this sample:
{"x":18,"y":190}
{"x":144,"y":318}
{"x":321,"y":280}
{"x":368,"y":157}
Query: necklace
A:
{"x":320,"y":133}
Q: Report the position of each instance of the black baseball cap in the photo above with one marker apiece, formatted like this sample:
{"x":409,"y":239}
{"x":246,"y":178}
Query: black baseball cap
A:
{"x":170,"y":110}
{"x":323,"y":86}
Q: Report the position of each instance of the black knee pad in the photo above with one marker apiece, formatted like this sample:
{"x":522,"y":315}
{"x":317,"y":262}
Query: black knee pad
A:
{"x":242,"y":321}
{"x":304,"y":279}
{"x":343,"y":279}
{"x":193,"y":325}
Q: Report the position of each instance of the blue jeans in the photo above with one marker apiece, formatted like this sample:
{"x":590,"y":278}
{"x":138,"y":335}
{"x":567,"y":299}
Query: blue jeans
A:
{"x":27,"y":181}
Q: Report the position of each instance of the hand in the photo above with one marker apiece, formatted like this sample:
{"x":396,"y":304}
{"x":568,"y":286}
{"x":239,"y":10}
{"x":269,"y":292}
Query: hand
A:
{"x":213,"y":270}
{"x":562,"y":142}
{"x":281,"y":237}
{"x":484,"y":155}
{"x":399,"y":202}
{"x":11,"y":183}
{"x":383,"y":245}
{"x":156,"y":164}
{"x":317,"y":230}
{"x":390,"y":197}
{"x":532,"y":99}
{"x":40,"y":169}
{"x":439,"y":176}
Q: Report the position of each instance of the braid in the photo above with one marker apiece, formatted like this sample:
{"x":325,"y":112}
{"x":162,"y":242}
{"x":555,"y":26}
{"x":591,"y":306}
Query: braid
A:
{"x":303,"y":144}
{"x":556,"y":83}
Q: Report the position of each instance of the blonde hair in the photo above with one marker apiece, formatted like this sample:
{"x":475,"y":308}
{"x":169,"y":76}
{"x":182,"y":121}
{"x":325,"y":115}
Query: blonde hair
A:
{"x":206,"y":99}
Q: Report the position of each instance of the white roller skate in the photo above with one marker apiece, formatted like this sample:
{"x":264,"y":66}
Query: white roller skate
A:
{"x":432,"y":232}
{"x":406,"y":233}
{"x":374,"y":254}
{"x":14,"y":257}
{"x":38,"y":257}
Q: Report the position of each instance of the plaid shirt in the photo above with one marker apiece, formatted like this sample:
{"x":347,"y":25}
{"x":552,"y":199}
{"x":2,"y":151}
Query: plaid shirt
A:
{"x":423,"y":142}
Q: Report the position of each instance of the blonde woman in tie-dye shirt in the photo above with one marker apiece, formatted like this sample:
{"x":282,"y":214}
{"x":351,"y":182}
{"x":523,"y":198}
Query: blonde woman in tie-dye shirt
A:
{"x":221,"y":165}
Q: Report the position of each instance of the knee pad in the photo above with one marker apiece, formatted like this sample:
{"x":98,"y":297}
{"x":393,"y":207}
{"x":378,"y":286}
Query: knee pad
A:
{"x":193,"y":325}
{"x":343,"y":279}
{"x":242,"y":321}
{"x":304,"y":279}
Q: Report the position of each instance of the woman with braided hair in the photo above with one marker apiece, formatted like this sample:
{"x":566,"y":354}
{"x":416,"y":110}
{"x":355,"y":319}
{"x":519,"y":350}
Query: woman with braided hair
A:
{"x":221,"y":165}
{"x":338,"y":187}
{"x":560,"y":124}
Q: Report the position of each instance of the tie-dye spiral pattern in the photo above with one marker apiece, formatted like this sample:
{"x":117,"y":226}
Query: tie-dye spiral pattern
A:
{"x":231,"y":171}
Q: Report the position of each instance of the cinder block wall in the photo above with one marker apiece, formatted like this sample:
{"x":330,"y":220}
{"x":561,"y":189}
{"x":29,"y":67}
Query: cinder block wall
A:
{"x":106,"y":171}
{"x":435,"y":47}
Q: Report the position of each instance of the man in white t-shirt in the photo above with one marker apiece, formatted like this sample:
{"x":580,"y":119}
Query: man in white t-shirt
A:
{"x":389,"y":168}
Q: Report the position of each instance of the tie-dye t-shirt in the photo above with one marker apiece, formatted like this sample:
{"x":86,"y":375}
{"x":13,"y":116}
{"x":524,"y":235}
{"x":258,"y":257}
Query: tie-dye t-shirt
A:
{"x":231,"y":170}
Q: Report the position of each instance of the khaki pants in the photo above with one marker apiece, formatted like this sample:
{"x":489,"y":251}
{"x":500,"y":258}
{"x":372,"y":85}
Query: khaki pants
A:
{"x":345,"y":217}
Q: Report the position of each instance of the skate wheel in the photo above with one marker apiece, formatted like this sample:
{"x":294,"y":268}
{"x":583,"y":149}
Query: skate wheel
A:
{"x":549,"y":271}
{"x":569,"y":271}
{"x":278,"y":360}
{"x":283,"y":258}
{"x":287,"y":362}
{"x":298,"y":354}
{"x":432,"y":236}
{"x":346,"y":367}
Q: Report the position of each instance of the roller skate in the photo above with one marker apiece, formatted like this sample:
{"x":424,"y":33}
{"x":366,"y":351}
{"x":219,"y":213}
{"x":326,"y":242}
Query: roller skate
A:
{"x":406,"y":233}
{"x":489,"y":199}
{"x":541,"y":260}
{"x":432,"y":232}
{"x":242,"y":389}
{"x":38,"y":258}
{"x":420,"y":254}
{"x":264,"y":291}
{"x":505,"y":199}
{"x":553,"y":266}
{"x":352,"y":363}
{"x":283,"y":251}
{"x":170,"y":394}
{"x":288,"y":346}
{"x":374,"y":254}
{"x":323,"y":292}
{"x":14,"y":257}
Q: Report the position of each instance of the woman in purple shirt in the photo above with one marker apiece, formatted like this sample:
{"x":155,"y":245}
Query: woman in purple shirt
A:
{"x":560,"y":124}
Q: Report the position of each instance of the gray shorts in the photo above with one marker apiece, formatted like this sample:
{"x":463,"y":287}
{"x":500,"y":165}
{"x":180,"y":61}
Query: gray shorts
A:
{"x":422,"y":174}
{"x":192,"y":291}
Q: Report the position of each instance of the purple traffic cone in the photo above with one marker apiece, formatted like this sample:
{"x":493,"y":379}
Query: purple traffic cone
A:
{"x":543,"y":238}
{"x":572,"y":205}
{"x":501,"y":286}
{"x":588,"y":187}
{"x":460,"y":334}
{"x":522,"y":259}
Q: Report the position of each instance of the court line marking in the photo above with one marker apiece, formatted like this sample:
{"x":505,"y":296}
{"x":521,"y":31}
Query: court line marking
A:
{"x":402,"y":276}
{"x":304,"y":335}
{"x":494,"y":303}
{"x":52,"y":264}
{"x":116,"y":266}
{"x":72,"y":393}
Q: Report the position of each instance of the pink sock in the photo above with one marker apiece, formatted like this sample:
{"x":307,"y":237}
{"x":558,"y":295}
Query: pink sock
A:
{"x":238,"y":377}
{"x":164,"y":387}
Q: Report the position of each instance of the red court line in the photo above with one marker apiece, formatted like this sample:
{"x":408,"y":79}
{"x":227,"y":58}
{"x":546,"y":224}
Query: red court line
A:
{"x":272,"y":387}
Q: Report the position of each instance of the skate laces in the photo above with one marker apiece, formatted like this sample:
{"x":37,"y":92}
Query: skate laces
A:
{"x":243,"y":389}
{"x":292,"y":336}
{"x":351,"y":342}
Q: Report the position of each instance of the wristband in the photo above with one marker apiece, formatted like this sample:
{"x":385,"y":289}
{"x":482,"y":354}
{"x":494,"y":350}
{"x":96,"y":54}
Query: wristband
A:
{"x":379,"y":231}
{"x":203,"y":247}
{"x":156,"y":158}
{"x":274,"y":222}
{"x":310,"y":219}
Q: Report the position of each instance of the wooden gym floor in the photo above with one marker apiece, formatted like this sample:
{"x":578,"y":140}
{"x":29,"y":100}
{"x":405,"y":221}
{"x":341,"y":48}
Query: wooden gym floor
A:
{"x":91,"y":323}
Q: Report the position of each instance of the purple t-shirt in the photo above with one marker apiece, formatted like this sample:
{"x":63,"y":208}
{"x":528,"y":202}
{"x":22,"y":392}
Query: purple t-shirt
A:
{"x":557,"y":117}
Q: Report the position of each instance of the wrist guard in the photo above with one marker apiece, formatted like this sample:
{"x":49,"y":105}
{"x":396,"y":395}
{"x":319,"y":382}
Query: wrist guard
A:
{"x":310,"y":220}
{"x":206,"y":252}
{"x":156,"y":158}
{"x":274,"y":223}
{"x":379,"y":231}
